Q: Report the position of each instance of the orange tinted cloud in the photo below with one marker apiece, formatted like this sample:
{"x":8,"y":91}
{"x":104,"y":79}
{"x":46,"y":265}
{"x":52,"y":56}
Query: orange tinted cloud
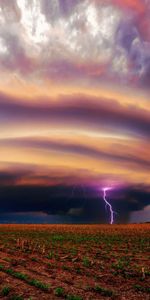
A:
{"x":137,"y":5}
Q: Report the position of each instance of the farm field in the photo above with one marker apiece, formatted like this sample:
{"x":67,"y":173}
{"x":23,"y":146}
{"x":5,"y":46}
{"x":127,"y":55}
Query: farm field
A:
{"x":75,"y":262}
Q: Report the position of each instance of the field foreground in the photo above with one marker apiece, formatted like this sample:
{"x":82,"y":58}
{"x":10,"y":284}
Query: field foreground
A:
{"x":75,"y":262}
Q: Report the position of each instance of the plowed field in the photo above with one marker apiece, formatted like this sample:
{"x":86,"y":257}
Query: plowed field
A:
{"x":75,"y":262}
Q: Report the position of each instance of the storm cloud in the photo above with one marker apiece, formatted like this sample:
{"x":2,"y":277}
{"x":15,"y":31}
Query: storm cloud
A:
{"x":81,"y":203}
{"x":74,"y":109}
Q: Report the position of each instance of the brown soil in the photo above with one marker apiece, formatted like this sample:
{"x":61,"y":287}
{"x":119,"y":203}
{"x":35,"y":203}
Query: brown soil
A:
{"x":91,"y":262}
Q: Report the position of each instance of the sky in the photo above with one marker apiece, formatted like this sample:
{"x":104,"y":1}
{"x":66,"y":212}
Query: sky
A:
{"x":74,"y":110}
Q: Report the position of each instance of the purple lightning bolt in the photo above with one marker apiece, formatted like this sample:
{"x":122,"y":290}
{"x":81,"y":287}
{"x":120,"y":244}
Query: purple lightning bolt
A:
{"x":105,"y":189}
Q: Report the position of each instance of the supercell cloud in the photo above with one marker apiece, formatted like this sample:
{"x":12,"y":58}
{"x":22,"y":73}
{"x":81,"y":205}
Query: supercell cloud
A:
{"x":74,"y":107}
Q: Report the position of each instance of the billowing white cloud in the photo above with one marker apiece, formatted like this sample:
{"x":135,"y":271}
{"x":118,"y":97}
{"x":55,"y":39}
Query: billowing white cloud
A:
{"x":87,"y":34}
{"x":38,"y":38}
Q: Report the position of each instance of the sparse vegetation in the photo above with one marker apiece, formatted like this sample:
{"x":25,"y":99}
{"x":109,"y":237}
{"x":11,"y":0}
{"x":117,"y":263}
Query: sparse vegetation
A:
{"x":16,"y":297}
{"x":59,"y":291}
{"x":104,"y":292}
{"x":26,"y":278}
{"x":5,"y":291}
{"x":140,"y":288}
{"x":74,"y":262}
{"x":86,"y":262}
